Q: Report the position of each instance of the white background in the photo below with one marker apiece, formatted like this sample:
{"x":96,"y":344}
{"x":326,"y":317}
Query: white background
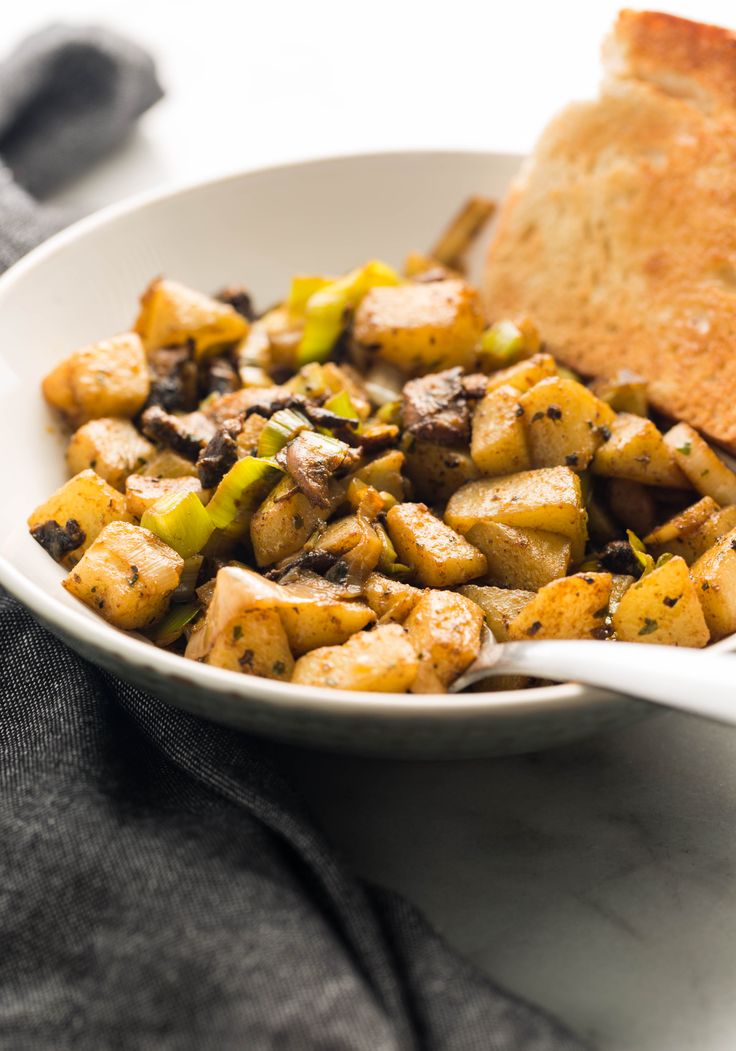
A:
{"x":598,"y":879}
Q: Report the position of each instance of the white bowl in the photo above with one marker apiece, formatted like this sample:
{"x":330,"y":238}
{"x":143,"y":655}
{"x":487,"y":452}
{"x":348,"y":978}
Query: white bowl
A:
{"x":258,"y":227}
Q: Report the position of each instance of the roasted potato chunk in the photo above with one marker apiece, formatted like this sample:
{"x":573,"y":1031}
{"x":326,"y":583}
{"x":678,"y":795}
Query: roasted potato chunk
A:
{"x":624,"y":392}
{"x":703,"y":468}
{"x":111,"y":447}
{"x":714,"y":574}
{"x":127,"y":575}
{"x":521,"y":558}
{"x":637,"y":450}
{"x":570,"y":608}
{"x":383,"y":660}
{"x":384,"y":474}
{"x":525,"y":374}
{"x":420,"y":327}
{"x":549,"y":499}
{"x":693,"y":544}
{"x":390,"y":600}
{"x":167,"y":464}
{"x":108,"y":378}
{"x":681,"y":525}
{"x":444,"y":629}
{"x":283,"y":523}
{"x":662,"y":607}
{"x":439,"y":557}
{"x":499,"y":442}
{"x":86,"y":502}
{"x":564,"y":423}
{"x":141,"y":492}
{"x":172,"y":313}
{"x":500,"y":606}
{"x":437,"y":471}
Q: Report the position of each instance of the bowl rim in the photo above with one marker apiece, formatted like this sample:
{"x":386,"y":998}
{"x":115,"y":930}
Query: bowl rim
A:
{"x":129,"y":650}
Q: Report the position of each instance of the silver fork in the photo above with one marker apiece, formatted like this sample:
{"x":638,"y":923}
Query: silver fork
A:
{"x":701,"y":682}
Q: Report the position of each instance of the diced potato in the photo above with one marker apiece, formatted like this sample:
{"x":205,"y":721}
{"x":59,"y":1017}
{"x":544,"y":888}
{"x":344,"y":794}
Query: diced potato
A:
{"x":127,"y":576}
{"x":662,"y":607}
{"x":85,"y":499}
{"x":692,"y":545}
{"x":172,"y":313}
{"x":549,"y":499}
{"x":384,"y":474}
{"x":141,"y":491}
{"x":564,"y":421}
{"x":637,"y":450}
{"x":168,"y":464}
{"x":283,"y":523}
{"x":111,"y":447}
{"x":500,"y":606}
{"x":631,"y":504}
{"x":383,"y":660}
{"x":437,"y":471}
{"x":444,"y":629}
{"x":703,"y":468}
{"x":624,"y":392}
{"x":521,"y":558}
{"x":420,"y":327}
{"x":681,"y":525}
{"x":354,"y":540}
{"x":525,"y":374}
{"x":108,"y":378}
{"x":439,"y":556}
{"x":714,"y":575}
{"x":571,"y":608}
{"x":390,"y":600}
{"x":499,"y":443}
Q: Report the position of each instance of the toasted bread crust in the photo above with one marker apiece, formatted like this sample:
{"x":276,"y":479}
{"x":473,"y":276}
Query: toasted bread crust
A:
{"x":618,"y":237}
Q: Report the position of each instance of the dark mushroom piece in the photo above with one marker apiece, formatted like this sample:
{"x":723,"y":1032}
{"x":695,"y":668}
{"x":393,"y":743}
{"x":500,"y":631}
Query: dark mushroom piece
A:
{"x":434,"y":408}
{"x":238,"y":297}
{"x":173,"y":379}
{"x":59,"y":540}
{"x":220,"y":453}
{"x":312,"y":460}
{"x":175,"y":432}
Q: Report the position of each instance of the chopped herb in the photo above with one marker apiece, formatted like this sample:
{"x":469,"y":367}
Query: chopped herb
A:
{"x":571,"y":459}
{"x":669,"y":601}
{"x":133,"y":576}
{"x":648,"y":627}
{"x":298,"y":522}
{"x":554,"y":412}
{"x":685,"y":449}
{"x":237,"y":632}
{"x":246,"y":661}
{"x":534,"y":628}
{"x":278,"y":668}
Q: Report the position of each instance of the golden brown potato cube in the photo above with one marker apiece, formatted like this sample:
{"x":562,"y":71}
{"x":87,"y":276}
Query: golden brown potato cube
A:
{"x":382,"y":660}
{"x":80,"y":510}
{"x":168,"y":464}
{"x":354,"y":540}
{"x":111,"y":447}
{"x":437,"y":471}
{"x":631,"y":504}
{"x":637,"y":450}
{"x":499,"y":605}
{"x":499,"y":444}
{"x":108,"y":378}
{"x":624,"y":392}
{"x":283,"y":523}
{"x":564,"y":421}
{"x":171,"y":314}
{"x":384,"y":474}
{"x":439,"y":557}
{"x":691,"y":546}
{"x":703,"y":468}
{"x":142,"y":491}
{"x":127,"y":576}
{"x":390,"y":600}
{"x":444,"y":629}
{"x":714,"y":575}
{"x":662,"y":607}
{"x":570,"y":608}
{"x":521,"y":558}
{"x":420,"y":327}
{"x":549,"y":499}
{"x":681,"y":525}
{"x":524,"y":374}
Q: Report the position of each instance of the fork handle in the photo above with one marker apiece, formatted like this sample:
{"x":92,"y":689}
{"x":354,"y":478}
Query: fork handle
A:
{"x":689,"y":680}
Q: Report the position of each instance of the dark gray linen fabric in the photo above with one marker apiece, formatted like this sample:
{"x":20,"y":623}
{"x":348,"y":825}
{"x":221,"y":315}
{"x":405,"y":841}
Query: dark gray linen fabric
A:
{"x":161,"y":886}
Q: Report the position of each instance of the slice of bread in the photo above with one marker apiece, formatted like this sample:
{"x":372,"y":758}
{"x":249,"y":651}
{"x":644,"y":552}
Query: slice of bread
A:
{"x":619,"y":236}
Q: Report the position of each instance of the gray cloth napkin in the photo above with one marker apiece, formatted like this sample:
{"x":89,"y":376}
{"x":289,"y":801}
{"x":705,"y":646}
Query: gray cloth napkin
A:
{"x":161,"y":886}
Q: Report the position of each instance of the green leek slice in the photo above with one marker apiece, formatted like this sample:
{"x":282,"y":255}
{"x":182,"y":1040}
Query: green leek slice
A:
{"x":243,"y":487}
{"x":171,"y":626}
{"x":341,"y":405}
{"x":181,"y":521}
{"x":280,"y":429}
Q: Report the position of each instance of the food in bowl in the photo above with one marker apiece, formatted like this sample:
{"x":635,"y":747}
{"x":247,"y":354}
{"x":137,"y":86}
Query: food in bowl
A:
{"x":341,"y":490}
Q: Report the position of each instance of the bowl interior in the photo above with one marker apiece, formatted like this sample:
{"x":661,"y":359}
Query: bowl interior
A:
{"x":258,"y":228}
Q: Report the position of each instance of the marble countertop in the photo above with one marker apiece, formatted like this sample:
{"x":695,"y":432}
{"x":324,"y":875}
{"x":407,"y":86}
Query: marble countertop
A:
{"x":598,"y":879}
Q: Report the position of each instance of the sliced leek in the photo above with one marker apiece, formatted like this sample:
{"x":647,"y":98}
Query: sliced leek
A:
{"x":325,"y":309}
{"x":341,"y":405}
{"x":303,"y":287}
{"x":280,"y":429}
{"x":246,"y":483}
{"x":181,"y":521}
{"x":171,"y":626}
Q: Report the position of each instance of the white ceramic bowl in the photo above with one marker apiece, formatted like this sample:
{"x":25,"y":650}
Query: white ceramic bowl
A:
{"x":258,"y":227}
